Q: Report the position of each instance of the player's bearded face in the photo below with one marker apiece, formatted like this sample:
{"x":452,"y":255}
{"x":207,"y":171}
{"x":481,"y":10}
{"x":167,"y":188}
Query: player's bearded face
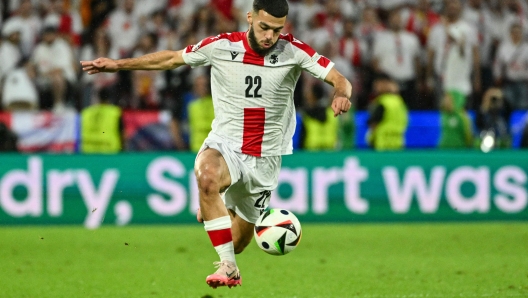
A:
{"x":258,"y":46}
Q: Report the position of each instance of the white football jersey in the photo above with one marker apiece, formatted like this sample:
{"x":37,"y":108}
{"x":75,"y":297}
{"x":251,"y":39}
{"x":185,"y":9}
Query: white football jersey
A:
{"x":252,"y":94}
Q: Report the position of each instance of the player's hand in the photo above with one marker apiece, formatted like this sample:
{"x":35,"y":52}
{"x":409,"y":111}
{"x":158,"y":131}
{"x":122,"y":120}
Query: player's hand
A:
{"x":99,"y":65}
{"x":340,"y":105}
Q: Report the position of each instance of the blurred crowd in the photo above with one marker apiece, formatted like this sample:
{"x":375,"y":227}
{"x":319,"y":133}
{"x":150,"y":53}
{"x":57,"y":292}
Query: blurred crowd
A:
{"x":440,"y":54}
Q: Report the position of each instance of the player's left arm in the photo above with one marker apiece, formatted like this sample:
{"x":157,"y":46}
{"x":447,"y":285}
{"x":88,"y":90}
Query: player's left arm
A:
{"x":342,"y":91}
{"x":162,"y":60}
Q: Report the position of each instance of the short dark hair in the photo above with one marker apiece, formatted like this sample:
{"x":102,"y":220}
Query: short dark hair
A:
{"x":276,"y":8}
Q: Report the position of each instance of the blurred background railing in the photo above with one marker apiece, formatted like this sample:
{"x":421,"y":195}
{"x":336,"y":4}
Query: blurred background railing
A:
{"x":43,"y":131}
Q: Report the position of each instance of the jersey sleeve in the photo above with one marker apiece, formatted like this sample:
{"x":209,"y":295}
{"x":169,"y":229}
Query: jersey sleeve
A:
{"x":200,"y":53}
{"x":317,"y":65}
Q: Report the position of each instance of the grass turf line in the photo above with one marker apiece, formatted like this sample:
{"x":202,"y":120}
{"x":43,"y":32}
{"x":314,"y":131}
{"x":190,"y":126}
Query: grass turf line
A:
{"x":385,"y":260}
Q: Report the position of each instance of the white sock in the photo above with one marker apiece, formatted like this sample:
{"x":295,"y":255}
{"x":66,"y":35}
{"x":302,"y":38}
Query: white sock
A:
{"x":219,"y":231}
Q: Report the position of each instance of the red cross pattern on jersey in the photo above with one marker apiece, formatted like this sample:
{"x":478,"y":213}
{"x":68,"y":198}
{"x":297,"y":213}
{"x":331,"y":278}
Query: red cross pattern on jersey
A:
{"x":253,"y":94}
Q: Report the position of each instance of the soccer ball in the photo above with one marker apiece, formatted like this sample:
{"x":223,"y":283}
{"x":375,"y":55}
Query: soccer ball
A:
{"x":278,"y":232}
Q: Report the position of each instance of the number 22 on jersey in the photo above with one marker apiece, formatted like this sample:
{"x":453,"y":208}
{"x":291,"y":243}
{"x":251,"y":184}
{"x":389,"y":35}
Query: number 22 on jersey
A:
{"x":253,"y":86}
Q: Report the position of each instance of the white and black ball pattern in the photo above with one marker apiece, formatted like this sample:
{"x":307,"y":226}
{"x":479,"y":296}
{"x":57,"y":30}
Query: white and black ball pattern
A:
{"x":278,"y":231}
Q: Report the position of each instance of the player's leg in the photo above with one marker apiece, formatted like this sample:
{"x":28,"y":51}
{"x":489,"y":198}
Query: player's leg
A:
{"x":213,"y":177}
{"x":199,"y":217}
{"x":242,"y":232}
{"x":248,"y":198}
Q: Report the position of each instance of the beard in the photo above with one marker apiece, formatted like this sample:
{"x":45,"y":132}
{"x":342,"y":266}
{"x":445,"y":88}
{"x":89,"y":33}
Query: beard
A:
{"x":253,"y":43}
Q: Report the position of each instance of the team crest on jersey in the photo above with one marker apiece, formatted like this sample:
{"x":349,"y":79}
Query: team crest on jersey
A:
{"x":274,"y":59}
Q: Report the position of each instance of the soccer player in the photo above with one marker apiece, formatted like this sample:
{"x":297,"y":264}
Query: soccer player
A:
{"x":253,"y":75}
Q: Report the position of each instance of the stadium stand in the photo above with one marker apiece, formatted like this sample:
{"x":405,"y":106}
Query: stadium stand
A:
{"x":466,"y":46}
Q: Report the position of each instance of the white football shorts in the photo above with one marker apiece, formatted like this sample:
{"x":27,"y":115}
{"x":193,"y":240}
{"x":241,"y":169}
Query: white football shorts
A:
{"x":252,"y":179}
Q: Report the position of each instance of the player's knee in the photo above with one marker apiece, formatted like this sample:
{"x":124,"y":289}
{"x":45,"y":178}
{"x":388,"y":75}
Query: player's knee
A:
{"x":207,"y":182}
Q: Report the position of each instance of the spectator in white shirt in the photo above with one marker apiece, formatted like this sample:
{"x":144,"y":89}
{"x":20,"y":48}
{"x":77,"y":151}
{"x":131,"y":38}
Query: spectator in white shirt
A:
{"x":511,"y":68}
{"x":368,"y":27}
{"x":478,"y":15}
{"x":419,"y":18}
{"x":145,"y":8}
{"x":334,"y":19}
{"x":354,"y":51}
{"x":352,"y":47}
{"x":10,"y":47}
{"x":68,"y":22}
{"x":123,"y":27}
{"x":19,"y":90}
{"x":453,"y":60}
{"x":397,"y":54}
{"x":56,"y":72}
{"x":14,"y":5}
{"x":503,"y":14}
{"x":305,"y":13}
{"x":317,"y":34}
{"x":183,"y":10}
{"x":497,"y":23}
{"x":31,"y":26}
{"x":515,"y":12}
{"x":350,"y":9}
{"x":158,"y":24}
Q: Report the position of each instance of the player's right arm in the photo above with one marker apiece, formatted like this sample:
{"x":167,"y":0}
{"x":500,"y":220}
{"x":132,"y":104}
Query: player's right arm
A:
{"x":322,"y":68}
{"x":162,"y":60}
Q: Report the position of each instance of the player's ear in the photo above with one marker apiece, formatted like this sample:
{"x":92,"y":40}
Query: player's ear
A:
{"x":250,"y":17}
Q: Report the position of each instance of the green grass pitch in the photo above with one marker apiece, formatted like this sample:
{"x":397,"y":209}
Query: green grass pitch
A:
{"x":360,"y":260}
